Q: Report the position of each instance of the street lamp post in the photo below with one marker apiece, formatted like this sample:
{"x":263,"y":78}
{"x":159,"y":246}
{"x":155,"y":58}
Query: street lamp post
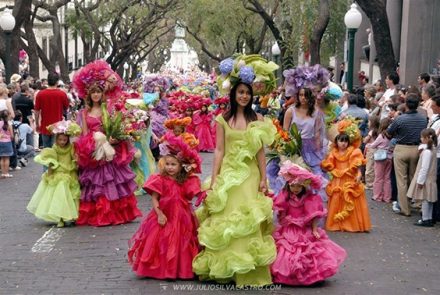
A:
{"x":126,"y":66}
{"x":352,"y":19}
{"x":7,"y":23}
{"x":276,"y":54}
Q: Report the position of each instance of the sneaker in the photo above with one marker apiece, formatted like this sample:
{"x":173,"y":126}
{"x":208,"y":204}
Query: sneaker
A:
{"x":396,"y":208}
{"x":425,"y":223}
{"x":16,"y":168}
{"x":23,"y":162}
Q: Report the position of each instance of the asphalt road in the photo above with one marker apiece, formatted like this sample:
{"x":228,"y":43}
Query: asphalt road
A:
{"x":37,"y":258}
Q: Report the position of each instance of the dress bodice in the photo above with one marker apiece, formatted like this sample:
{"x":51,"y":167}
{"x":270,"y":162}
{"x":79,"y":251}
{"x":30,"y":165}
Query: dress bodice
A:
{"x":93,"y":123}
{"x":305,"y":125}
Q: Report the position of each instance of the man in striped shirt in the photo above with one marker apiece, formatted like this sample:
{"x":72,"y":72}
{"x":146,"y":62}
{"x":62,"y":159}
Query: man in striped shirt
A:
{"x":406,"y":130}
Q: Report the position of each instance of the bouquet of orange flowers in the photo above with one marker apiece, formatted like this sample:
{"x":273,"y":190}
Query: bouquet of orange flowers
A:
{"x":286,"y":143}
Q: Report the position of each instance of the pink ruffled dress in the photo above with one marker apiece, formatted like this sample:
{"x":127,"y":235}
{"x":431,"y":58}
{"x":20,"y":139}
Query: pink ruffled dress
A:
{"x":203,"y":131}
{"x":302,"y":259}
{"x":167,"y":252}
{"x":107,"y":188}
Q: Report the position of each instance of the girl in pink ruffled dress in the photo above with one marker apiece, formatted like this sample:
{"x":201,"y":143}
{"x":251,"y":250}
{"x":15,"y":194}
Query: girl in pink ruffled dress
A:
{"x":305,"y":254}
{"x":203,"y":121}
{"x":166,"y":242}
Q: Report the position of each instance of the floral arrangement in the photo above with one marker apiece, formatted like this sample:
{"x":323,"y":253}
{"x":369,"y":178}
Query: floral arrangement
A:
{"x":152,"y":81}
{"x":250,"y":69}
{"x":287,"y":144}
{"x":124,"y":124}
{"x":98,"y":72}
{"x":66,"y":127}
{"x":305,"y":77}
{"x":190,"y":159}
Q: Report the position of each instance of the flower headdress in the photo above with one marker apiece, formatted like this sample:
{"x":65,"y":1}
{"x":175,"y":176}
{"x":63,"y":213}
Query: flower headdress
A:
{"x":305,"y":77}
{"x":171,"y":123}
{"x":295,"y":174}
{"x":152,"y":81}
{"x":101,"y":73}
{"x":250,"y":69}
{"x":65,"y":127}
{"x":221,"y":100}
{"x":349,"y":126}
{"x":188,"y":157}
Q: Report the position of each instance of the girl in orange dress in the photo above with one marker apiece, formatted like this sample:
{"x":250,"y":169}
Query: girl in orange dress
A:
{"x":347,"y":204}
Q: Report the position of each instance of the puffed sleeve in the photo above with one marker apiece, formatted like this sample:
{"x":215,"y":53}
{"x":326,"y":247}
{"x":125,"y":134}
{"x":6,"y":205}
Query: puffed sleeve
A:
{"x":154,"y":184}
{"x":356,"y":160}
{"x":192,"y":187}
{"x":280,"y":203}
{"x":329,"y":163}
{"x":220,"y":120}
{"x":48,"y":156}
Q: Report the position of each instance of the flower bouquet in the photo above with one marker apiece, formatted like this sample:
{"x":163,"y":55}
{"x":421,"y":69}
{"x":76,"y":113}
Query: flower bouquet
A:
{"x":286,"y":144}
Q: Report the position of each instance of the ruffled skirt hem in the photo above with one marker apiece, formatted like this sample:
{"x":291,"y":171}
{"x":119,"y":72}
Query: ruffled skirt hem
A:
{"x":104,"y":212}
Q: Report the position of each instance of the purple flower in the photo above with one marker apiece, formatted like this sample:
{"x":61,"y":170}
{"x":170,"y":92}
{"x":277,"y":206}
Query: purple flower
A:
{"x":246,"y":74}
{"x":226,"y":66}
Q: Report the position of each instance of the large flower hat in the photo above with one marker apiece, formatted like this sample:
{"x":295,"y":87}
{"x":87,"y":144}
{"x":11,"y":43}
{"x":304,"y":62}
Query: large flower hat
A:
{"x":251,"y":69}
{"x":98,"y":72}
{"x":190,"y":159}
{"x":349,"y":126}
{"x":65,"y":127}
{"x":295,"y":174}
{"x":314,"y":77}
{"x":152,"y":81}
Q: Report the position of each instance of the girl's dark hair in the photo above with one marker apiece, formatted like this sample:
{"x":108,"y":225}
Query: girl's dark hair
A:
{"x":181,"y":176}
{"x":95,"y":88}
{"x":4,"y":116}
{"x":249,"y":113}
{"x":374,"y":125}
{"x":58,"y":134}
{"x":310,"y":101}
{"x":383,"y":126}
{"x":429,"y":133}
{"x":342,"y":137}
{"x":204,"y":111}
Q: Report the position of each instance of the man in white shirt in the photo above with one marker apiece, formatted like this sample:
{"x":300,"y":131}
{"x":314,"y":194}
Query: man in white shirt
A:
{"x":391,"y":81}
{"x":24,"y":151}
{"x":435,"y":124}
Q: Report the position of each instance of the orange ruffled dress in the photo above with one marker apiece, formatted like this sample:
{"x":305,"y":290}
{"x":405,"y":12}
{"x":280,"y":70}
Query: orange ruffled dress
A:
{"x":347,"y":205}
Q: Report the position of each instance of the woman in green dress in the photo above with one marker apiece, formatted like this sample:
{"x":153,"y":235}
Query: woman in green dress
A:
{"x":236,"y":216}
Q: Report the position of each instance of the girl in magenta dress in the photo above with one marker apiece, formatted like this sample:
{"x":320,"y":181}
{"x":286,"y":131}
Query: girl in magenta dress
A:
{"x":107,"y":182}
{"x":166,"y":242}
{"x":305,"y":254}
{"x":203,"y":120}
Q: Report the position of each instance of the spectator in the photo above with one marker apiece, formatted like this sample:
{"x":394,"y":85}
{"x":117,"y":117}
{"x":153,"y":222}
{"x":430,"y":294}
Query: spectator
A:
{"x":24,"y":103}
{"x":423,"y":79}
{"x":435,"y":124}
{"x":25,"y":150}
{"x":406,"y":130}
{"x":428,"y":91}
{"x":356,"y":112}
{"x":391,"y":81}
{"x":5,"y":101}
{"x":50,"y":104}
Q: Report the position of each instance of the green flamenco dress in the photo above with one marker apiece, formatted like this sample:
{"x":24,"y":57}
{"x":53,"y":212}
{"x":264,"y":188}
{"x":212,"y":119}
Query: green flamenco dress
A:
{"x":236,"y":219}
{"x":57,"y":195}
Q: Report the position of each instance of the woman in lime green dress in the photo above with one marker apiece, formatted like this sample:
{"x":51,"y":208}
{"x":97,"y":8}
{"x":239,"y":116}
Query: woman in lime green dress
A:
{"x":236,"y":217}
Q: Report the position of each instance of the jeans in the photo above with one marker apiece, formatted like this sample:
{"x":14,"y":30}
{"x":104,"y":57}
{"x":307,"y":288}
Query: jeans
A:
{"x":27,"y":153}
{"x":48,"y":140}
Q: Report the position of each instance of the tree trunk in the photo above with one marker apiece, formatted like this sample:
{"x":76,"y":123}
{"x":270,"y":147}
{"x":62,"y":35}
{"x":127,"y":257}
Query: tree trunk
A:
{"x":318,"y":31}
{"x":32,"y":49}
{"x":376,"y":12}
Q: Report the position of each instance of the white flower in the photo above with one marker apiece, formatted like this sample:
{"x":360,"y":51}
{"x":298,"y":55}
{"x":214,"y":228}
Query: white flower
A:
{"x":226,"y":84}
{"x":241,"y":63}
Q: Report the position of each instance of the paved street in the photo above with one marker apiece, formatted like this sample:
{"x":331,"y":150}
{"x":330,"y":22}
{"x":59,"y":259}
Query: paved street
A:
{"x":36,"y":258}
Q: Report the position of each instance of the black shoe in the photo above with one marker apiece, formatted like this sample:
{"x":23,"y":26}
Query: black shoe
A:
{"x":425,"y":223}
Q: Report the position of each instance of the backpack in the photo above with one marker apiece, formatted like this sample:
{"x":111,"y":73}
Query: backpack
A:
{"x":17,"y":139}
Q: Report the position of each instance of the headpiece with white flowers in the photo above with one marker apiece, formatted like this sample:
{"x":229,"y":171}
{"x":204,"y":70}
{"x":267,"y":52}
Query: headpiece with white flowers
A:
{"x":250,"y":69}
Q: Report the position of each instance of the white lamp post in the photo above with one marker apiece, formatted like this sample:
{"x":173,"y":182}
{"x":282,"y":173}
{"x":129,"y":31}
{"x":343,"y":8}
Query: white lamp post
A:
{"x":7,"y":23}
{"x":352,"y":19}
{"x":126,"y":66}
{"x":276,"y":54}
